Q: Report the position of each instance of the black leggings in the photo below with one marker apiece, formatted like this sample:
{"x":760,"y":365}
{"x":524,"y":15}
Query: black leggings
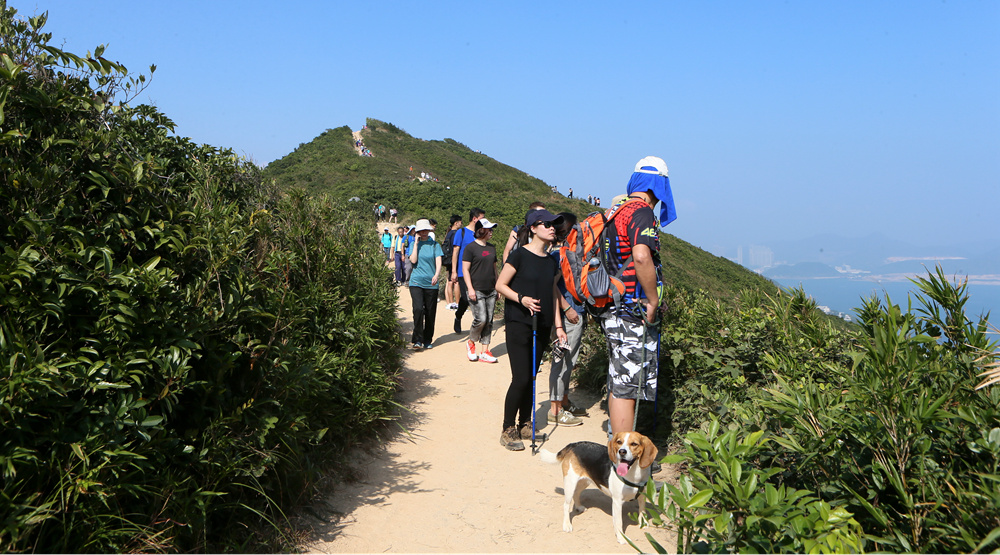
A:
{"x":519,"y":394}
{"x":424,"y":303}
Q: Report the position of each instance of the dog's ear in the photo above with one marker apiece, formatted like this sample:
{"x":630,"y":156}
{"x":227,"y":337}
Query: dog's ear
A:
{"x":648,"y":452}
{"x":612,"y":450}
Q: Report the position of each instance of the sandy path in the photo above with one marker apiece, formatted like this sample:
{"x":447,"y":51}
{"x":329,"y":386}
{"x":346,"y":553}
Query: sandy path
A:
{"x":448,"y":485}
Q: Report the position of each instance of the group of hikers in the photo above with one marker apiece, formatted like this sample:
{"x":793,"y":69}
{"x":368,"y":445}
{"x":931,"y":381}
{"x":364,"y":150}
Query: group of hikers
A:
{"x":539,"y":309}
{"x":591,"y":199}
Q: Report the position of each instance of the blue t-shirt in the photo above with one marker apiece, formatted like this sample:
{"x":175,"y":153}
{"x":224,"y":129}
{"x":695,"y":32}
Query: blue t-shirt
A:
{"x":423,"y":272}
{"x":462,"y":238}
{"x":387,"y":240}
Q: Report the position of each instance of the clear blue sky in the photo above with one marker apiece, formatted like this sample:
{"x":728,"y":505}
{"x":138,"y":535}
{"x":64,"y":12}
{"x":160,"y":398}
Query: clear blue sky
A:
{"x":776,"y":119}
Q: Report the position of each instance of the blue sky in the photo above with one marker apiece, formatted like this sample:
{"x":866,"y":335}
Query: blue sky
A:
{"x":777,"y":119}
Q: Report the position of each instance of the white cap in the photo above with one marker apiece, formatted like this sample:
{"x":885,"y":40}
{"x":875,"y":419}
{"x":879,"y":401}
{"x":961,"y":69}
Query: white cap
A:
{"x":652,"y":162}
{"x":485,"y":224}
{"x":424,"y":225}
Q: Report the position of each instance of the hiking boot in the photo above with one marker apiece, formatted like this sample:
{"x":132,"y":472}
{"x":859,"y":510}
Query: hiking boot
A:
{"x":571,"y":408}
{"x":470,"y":349}
{"x":525,"y":430}
{"x":487,"y":356}
{"x":511,"y":440}
{"x":566,"y":418}
{"x":458,"y":325}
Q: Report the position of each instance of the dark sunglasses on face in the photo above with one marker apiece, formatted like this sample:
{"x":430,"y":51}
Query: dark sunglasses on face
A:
{"x":546,"y":225}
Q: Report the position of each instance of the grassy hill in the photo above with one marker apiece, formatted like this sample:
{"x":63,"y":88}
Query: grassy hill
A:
{"x":330,"y":165}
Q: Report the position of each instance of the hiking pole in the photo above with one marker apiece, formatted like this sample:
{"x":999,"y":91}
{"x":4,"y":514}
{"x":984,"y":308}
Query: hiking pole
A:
{"x":534,"y":374}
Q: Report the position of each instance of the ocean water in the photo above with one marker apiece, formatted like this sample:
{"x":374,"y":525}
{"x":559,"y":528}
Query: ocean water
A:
{"x":845,"y":295}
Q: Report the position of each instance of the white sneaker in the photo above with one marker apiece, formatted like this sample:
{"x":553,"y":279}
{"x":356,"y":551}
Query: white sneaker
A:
{"x":470,"y":349}
{"x":487,"y":356}
{"x":566,"y":418}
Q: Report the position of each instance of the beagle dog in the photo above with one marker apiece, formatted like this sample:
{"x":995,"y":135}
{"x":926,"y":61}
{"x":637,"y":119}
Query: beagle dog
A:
{"x":620,"y":470}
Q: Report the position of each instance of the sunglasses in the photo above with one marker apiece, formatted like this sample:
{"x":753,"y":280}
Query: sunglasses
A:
{"x":546,"y":225}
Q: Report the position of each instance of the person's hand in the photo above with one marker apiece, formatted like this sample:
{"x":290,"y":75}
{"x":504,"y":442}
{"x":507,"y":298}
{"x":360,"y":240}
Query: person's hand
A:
{"x":572,"y":316}
{"x":561,"y":335}
{"x":434,"y":280}
{"x":650,"y":313}
{"x":472,"y":295}
{"x":531,"y":303}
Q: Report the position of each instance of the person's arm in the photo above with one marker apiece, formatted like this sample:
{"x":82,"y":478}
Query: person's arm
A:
{"x":511,"y":241}
{"x":466,"y":265}
{"x":455,"y":261}
{"x":413,"y":254}
{"x":645,"y":273}
{"x":557,"y":318}
{"x":437,"y":270}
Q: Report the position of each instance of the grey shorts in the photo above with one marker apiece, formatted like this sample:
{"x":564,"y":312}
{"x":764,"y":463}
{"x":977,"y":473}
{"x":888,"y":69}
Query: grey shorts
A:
{"x":631,"y":358}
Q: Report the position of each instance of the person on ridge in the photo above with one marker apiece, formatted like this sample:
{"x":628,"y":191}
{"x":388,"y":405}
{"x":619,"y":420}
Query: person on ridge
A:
{"x":631,"y":334}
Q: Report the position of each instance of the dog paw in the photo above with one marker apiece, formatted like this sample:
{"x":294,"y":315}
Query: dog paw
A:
{"x":621,"y":539}
{"x":578,"y":509}
{"x":567,"y":526}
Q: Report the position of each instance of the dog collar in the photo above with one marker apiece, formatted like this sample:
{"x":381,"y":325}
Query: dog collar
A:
{"x":638,"y":487}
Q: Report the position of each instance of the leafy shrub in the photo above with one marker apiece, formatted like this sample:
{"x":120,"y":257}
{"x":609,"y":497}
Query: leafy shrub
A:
{"x":184,"y":349}
{"x":891,"y":448}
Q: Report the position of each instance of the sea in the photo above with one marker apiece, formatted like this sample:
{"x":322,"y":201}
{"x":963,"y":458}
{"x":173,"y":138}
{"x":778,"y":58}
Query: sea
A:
{"x":844,"y":295}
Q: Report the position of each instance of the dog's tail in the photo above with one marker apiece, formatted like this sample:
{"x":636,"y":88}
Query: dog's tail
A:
{"x":548,"y":456}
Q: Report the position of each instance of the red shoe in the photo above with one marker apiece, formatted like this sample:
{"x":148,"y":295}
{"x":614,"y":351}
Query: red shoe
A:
{"x":487,"y":356}
{"x":470,"y":349}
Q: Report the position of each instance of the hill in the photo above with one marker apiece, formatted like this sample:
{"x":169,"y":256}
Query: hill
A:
{"x":461,"y":179}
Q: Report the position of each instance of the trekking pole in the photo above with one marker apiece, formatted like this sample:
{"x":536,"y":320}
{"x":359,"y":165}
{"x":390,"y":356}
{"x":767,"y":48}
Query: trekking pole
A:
{"x":534,"y":374}
{"x":642,"y":375}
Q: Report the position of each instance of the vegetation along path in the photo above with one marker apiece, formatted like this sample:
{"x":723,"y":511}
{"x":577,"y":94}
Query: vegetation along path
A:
{"x":447,"y":485}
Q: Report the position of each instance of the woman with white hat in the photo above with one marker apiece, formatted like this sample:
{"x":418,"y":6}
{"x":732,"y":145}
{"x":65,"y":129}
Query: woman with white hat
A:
{"x":479,"y":269}
{"x":425,"y":256}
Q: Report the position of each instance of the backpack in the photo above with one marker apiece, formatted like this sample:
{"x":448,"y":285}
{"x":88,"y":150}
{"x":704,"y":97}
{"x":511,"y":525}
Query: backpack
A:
{"x":591,"y":276}
{"x":447,"y":247}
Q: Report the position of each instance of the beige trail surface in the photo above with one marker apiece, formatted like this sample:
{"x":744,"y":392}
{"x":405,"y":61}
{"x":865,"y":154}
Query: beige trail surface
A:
{"x":446,"y":485}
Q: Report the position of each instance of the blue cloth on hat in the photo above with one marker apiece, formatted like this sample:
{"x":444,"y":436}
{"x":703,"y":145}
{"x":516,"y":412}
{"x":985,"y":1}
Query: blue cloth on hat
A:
{"x":660,"y":186}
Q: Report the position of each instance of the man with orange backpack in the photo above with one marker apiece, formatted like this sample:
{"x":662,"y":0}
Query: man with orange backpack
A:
{"x":632,"y":244}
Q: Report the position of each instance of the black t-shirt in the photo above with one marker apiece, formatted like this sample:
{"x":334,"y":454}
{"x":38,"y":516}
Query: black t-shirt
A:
{"x":482,"y":266}
{"x":534,"y":278}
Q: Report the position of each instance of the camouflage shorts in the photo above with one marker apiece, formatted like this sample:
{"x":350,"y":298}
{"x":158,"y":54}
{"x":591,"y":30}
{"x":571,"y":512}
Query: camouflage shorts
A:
{"x":627,"y":353}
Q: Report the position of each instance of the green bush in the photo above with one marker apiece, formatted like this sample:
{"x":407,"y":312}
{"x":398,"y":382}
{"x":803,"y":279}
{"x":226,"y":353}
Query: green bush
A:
{"x":887,"y":446}
{"x":185,"y":350}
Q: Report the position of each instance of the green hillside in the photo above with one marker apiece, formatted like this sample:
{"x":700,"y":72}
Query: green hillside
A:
{"x":330,"y":164}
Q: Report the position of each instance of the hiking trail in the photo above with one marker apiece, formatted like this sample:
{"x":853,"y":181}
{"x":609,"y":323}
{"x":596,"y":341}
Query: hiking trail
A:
{"x":445,"y":484}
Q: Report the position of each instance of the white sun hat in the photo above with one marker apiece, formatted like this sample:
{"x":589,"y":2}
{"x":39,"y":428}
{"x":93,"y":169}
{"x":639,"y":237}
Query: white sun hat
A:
{"x":659,"y":167}
{"x":424,"y":225}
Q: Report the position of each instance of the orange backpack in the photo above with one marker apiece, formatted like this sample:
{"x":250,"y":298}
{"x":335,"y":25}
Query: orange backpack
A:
{"x":591,"y":277}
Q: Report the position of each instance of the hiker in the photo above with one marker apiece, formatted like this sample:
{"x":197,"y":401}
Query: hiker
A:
{"x":396,"y":252}
{"x":479,"y":268}
{"x":570,"y":195}
{"x":426,"y":260}
{"x":517,"y":235}
{"x":451,"y":290}
{"x":562,"y":411}
{"x":408,"y":243}
{"x":459,"y":241}
{"x":632,"y":339}
{"x":386,"y":242}
{"x":392,"y":215}
{"x":528,"y":284}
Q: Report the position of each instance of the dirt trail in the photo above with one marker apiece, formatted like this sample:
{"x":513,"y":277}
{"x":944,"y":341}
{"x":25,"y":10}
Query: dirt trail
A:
{"x":447,"y":485}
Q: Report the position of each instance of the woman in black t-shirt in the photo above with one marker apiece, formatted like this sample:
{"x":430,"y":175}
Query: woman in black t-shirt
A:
{"x":528,"y":283}
{"x":479,"y":269}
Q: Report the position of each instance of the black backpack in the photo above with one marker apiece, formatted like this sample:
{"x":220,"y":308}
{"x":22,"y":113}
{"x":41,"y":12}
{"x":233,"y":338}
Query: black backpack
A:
{"x":447,"y":247}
